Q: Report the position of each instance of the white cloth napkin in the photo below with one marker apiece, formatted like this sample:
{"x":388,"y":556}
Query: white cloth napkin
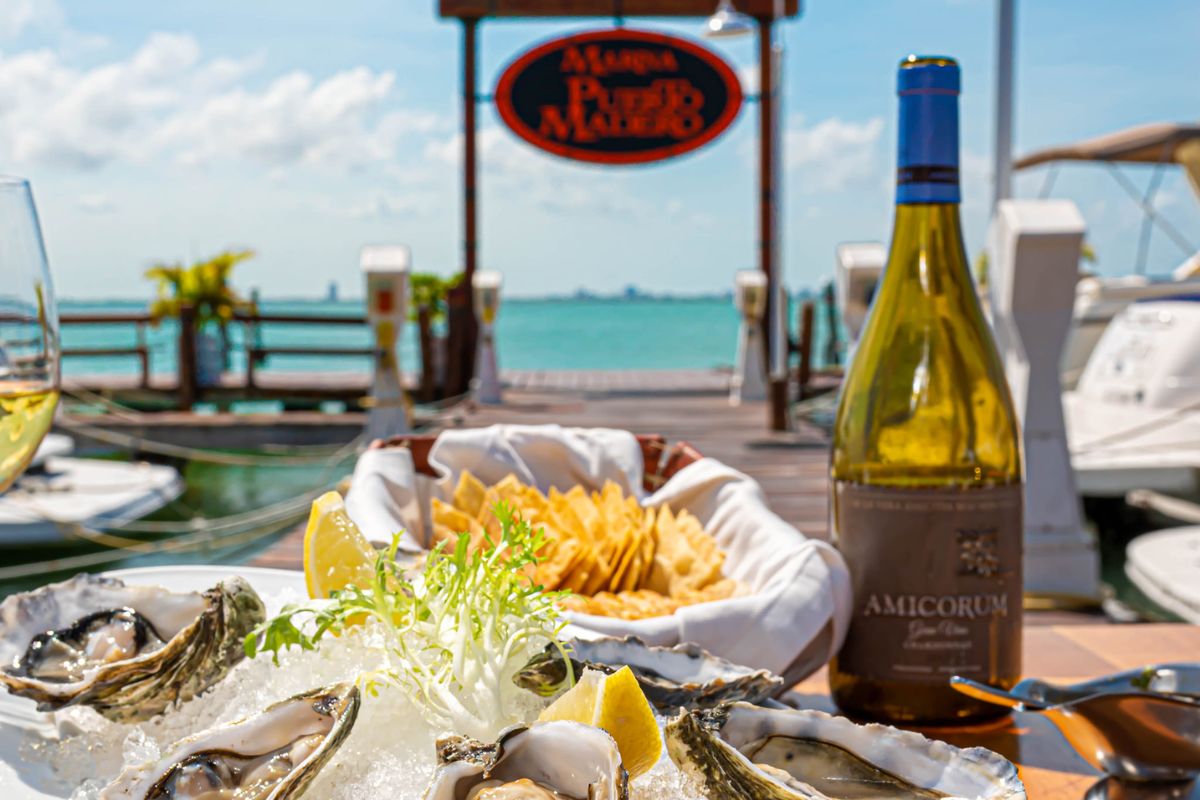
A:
{"x":793,"y":617}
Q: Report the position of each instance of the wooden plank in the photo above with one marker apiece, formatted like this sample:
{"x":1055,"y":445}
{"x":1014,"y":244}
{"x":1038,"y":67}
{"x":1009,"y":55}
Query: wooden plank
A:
{"x":605,"y":8}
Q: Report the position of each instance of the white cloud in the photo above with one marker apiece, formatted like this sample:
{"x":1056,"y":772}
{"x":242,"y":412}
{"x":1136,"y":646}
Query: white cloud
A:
{"x":17,"y":16}
{"x":166,"y":100}
{"x":833,"y":154}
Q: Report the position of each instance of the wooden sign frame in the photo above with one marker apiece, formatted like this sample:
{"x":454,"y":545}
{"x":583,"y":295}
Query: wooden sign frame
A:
{"x":766,"y":13}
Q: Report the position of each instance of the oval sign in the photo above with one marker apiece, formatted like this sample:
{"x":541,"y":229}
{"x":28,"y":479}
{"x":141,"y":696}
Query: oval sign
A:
{"x":619,"y":96}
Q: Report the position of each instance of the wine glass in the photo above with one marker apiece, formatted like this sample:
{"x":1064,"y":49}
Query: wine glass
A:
{"x":29,"y":347}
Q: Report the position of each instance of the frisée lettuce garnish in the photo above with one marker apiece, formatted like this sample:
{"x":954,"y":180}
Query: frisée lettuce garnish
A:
{"x":455,"y":633}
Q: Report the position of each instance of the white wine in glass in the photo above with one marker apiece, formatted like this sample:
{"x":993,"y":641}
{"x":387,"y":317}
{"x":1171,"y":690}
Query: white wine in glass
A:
{"x":29,"y":346}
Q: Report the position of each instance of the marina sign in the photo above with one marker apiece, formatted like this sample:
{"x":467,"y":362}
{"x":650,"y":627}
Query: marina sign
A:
{"x":618,"y":96}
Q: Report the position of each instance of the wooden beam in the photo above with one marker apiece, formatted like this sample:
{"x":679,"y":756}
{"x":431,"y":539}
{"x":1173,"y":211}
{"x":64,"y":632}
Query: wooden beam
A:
{"x":471,"y":208}
{"x":768,"y":212}
{"x":605,"y":8}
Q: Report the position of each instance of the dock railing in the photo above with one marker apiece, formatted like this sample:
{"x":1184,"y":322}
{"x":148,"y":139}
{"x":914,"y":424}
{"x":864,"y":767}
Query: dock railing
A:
{"x":140,"y":350}
{"x":187,"y":388}
{"x":257,"y":353}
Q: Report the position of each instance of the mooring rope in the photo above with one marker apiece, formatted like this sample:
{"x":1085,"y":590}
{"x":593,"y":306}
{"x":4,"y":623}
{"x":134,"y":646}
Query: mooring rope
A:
{"x":141,"y":444}
{"x":266,"y":521}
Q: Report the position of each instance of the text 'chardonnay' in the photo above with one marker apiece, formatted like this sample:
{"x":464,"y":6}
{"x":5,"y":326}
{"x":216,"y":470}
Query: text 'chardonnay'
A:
{"x":926,"y":464}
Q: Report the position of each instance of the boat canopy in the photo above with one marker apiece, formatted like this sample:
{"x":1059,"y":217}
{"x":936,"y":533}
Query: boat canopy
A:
{"x":1155,"y":143}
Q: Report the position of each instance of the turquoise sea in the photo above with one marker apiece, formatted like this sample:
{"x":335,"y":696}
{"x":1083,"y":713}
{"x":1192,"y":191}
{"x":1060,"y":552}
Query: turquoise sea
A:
{"x":531,"y":334}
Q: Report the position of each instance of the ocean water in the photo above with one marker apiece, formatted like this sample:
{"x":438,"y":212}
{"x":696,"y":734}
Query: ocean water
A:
{"x":531,"y":334}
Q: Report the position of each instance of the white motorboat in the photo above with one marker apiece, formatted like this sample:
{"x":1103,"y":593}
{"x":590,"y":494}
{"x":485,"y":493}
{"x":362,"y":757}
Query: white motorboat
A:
{"x":60,"y":496}
{"x":1134,"y":419}
{"x":1165,"y":565}
{"x":1098,"y":300}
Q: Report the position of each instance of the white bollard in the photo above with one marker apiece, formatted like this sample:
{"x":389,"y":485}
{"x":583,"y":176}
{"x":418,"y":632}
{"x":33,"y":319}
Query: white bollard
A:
{"x":749,"y":381}
{"x":1034,"y":246}
{"x":385,"y":268}
{"x":486,"y":290}
{"x":856,"y":276}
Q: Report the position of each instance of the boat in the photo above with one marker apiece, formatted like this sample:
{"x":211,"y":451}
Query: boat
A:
{"x":1165,"y":565}
{"x":1130,"y":367}
{"x":1133,"y":421}
{"x":61,"y":496}
{"x":1099,"y":300}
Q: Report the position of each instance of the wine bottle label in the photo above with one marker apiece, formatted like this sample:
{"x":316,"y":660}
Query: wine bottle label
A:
{"x":937,"y":581}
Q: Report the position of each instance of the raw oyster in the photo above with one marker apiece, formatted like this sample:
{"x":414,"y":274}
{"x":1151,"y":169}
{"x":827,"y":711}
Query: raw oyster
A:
{"x":546,"y":761}
{"x":270,"y":756}
{"x":742,"y":751}
{"x":671,"y":677}
{"x":126,"y":651}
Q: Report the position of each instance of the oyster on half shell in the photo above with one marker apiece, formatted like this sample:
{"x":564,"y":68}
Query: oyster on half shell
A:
{"x":543,"y":761}
{"x":671,"y":677}
{"x":742,"y":751}
{"x":126,"y":651}
{"x":273,"y":755}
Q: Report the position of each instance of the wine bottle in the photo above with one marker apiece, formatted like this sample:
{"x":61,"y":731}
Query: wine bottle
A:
{"x":926,"y":490}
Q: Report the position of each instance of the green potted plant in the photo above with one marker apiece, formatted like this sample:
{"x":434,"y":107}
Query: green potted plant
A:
{"x":205,"y":286}
{"x":430,"y":290}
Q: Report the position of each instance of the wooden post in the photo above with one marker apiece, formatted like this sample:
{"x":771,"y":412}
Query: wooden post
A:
{"x":425,"y":339}
{"x":143,"y":352}
{"x":186,"y":368}
{"x":768,"y":211}
{"x":832,"y":352}
{"x":469,"y":81}
{"x":804,"y":371}
{"x":461,"y":356}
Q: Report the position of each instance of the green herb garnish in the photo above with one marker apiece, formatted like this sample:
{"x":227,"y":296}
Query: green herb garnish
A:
{"x":455,"y":633}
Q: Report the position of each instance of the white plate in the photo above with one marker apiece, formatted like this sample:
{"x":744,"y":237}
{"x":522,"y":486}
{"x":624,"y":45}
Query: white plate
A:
{"x":23,"y":780}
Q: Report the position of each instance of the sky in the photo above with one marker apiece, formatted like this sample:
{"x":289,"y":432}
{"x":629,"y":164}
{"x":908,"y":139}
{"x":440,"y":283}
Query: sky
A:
{"x":305,"y":129}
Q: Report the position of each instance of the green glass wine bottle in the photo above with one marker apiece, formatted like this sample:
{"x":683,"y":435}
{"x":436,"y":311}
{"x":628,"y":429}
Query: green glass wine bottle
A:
{"x":926,"y":464}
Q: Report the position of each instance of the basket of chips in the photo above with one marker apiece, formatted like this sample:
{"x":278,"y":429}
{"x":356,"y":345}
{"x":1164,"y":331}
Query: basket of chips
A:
{"x":643,"y":537}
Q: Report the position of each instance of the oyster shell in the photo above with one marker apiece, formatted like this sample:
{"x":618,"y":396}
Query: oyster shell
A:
{"x":549,"y":760}
{"x":742,"y":751}
{"x":671,"y":677}
{"x":273,"y":755}
{"x":126,"y":651}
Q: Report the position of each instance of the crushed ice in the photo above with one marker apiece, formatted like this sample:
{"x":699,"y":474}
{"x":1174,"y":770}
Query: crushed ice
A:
{"x":389,"y":753}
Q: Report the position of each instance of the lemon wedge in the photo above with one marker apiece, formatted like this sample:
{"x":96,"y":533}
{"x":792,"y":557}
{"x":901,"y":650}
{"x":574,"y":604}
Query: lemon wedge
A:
{"x":336,"y":554}
{"x":616,"y":704}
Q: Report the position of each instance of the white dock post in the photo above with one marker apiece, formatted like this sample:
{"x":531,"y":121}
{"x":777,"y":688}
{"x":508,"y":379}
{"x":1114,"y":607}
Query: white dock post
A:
{"x":856,"y":276}
{"x":1035,"y":245}
{"x":749,"y":381}
{"x":386,"y":270}
{"x":486,"y":290}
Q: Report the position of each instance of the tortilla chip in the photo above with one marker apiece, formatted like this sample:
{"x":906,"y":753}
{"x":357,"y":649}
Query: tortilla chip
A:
{"x":449,"y":522}
{"x":468,"y":494}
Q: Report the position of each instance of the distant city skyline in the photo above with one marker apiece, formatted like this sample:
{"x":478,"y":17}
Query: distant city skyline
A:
{"x":169,"y":131}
